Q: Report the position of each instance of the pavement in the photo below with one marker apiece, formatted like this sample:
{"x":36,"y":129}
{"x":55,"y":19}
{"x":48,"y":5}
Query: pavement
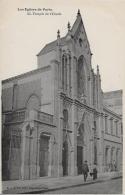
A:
{"x":47,"y":184}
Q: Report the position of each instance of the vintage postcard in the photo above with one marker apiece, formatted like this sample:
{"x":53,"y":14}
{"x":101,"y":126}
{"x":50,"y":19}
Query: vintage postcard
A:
{"x":62,"y":82}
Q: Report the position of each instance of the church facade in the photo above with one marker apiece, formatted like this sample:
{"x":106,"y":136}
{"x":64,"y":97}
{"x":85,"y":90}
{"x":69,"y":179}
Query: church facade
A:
{"x":55,"y":117}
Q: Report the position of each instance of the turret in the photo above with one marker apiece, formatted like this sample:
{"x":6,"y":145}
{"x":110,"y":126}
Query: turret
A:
{"x":58,"y":38}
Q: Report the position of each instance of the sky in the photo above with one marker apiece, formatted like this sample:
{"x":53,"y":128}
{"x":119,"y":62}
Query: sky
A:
{"x":22,"y":36}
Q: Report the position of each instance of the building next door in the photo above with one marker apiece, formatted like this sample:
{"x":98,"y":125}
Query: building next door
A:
{"x":79,"y":159}
{"x":44,"y":155}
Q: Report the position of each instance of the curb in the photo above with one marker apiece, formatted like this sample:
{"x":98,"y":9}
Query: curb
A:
{"x":63,"y":187}
{"x":75,"y":185}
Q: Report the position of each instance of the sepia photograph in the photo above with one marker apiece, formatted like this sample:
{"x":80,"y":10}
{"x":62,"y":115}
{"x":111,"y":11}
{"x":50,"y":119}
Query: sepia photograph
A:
{"x":62,"y":80}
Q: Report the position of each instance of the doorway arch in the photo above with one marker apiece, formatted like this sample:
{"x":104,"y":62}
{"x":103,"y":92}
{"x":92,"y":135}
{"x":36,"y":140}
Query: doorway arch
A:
{"x":83,"y":142}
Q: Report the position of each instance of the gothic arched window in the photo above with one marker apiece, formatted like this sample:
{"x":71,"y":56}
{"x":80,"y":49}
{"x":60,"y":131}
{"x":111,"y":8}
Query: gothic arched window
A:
{"x":80,"y":42}
{"x":81,"y":80}
{"x":80,"y":135}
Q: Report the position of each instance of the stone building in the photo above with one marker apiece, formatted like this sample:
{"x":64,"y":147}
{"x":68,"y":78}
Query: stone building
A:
{"x":55,"y":117}
{"x":113,"y":100}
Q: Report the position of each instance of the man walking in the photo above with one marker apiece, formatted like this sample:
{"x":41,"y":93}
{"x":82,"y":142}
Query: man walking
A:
{"x":85,"y":170}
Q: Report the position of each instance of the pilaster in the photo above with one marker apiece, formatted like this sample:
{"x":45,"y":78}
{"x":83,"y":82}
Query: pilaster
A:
{"x":74,"y":142}
{"x":29,"y":148}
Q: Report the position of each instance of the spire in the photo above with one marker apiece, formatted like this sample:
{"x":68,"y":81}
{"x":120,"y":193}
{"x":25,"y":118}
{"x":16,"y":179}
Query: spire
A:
{"x":68,"y":26}
{"x":78,"y":13}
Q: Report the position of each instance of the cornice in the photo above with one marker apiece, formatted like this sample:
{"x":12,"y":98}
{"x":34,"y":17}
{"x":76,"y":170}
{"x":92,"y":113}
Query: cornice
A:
{"x":65,"y":97}
{"x":80,"y":104}
{"x":42,"y":69}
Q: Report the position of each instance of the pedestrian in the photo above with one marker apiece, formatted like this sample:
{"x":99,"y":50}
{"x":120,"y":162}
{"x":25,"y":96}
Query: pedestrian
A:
{"x":85,"y":170}
{"x":94,"y":172}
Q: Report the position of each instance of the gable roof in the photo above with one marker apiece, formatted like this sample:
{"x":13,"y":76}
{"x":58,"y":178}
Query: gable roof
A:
{"x":52,"y":45}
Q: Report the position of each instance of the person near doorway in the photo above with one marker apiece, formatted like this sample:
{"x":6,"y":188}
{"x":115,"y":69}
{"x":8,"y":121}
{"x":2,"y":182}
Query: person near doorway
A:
{"x":95,"y":172}
{"x":85,"y":170}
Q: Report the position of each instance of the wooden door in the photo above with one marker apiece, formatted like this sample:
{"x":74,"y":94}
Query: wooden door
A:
{"x":79,"y":159}
{"x":65,"y":158}
{"x":44,"y":155}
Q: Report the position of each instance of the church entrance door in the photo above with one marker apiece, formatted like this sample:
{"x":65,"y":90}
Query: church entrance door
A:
{"x":44,"y":155}
{"x":65,"y":158}
{"x":79,"y":159}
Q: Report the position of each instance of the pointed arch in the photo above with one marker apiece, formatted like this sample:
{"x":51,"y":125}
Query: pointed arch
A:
{"x":83,"y":76}
{"x":83,"y":141}
{"x":33,"y":102}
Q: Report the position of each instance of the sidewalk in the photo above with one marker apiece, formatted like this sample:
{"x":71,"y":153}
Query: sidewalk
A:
{"x":49,"y":184}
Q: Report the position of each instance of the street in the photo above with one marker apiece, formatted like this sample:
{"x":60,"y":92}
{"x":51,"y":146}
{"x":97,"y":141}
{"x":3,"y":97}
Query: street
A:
{"x":107,"y":187}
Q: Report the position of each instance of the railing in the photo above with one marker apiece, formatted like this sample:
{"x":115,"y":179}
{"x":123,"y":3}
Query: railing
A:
{"x":44,"y":117}
{"x":16,"y":116}
{"x":19,"y":116}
